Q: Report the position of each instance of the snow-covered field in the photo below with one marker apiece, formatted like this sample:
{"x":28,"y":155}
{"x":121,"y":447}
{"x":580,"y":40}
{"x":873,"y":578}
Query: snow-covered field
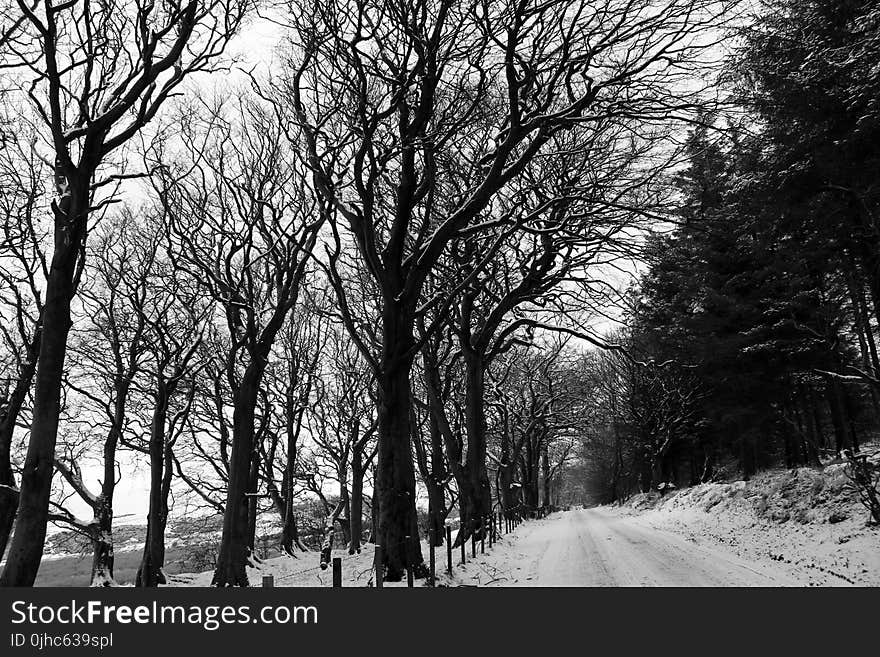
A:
{"x":302,"y":570}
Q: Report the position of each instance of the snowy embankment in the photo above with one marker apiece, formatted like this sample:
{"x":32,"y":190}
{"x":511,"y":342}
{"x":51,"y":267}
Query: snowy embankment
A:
{"x":805,"y":521}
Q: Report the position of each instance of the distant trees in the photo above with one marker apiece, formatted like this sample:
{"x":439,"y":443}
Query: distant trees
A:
{"x":537,"y":410}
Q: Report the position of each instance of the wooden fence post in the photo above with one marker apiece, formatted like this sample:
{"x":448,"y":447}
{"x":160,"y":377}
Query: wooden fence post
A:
{"x":337,"y":572}
{"x":463,"y":542}
{"x":268,"y":581}
{"x":433,"y":562}
{"x":474,"y":542}
{"x":379,"y":566}
{"x":483,"y":535}
{"x":449,"y":550}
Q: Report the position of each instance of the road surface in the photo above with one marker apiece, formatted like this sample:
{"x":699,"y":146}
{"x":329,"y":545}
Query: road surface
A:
{"x":596,"y":547}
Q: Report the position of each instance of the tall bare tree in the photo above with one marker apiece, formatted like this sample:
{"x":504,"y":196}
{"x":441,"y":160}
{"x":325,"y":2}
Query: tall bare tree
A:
{"x":243,"y":225}
{"x":23,"y":269}
{"x":96,"y":75}
{"x":109,"y":348}
{"x":387,"y":92}
{"x":290,"y":387}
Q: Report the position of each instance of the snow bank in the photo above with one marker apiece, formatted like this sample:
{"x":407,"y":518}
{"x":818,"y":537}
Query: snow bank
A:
{"x":808,"y":520}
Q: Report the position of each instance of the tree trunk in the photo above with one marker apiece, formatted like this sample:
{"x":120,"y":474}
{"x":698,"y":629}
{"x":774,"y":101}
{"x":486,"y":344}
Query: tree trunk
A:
{"x":395,"y":475}
{"x":835,"y":405}
{"x":233,"y":558}
{"x":545,"y":475}
{"x":435,"y":482}
{"x":505,"y":475}
{"x":851,"y":418}
{"x":374,"y":519}
{"x":102,"y":544}
{"x":102,"y":561}
{"x":289,"y":530}
{"x":8,"y":489}
{"x":530,"y":469}
{"x":475,"y":501}
{"x":26,"y":549}
{"x":150,"y":572}
{"x":284,"y":507}
{"x":252,"y":506}
{"x":345,"y":502}
{"x":8,"y":417}
{"x":356,"y":504}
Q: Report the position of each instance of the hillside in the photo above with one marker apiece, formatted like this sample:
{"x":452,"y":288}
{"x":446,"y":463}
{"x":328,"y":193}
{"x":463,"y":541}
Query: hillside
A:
{"x":807,"y":520}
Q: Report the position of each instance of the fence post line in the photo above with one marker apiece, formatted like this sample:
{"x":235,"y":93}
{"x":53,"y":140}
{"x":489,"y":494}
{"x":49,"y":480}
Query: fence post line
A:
{"x":431,"y":535}
{"x":491,"y":529}
{"x":463,"y":542}
{"x":449,"y":550}
{"x":379,"y":566}
{"x":483,"y":535}
{"x":337,"y":572}
{"x":268,"y":581}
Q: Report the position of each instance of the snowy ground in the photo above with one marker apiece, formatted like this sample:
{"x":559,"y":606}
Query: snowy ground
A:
{"x":584,"y":547}
{"x":302,"y":570}
{"x":802,"y":527}
{"x":604,"y":547}
{"x":803,"y":521}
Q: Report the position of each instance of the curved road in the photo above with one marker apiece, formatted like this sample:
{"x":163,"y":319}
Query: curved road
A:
{"x":593,"y":547}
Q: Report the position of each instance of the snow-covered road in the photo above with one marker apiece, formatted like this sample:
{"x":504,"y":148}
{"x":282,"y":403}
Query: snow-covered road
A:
{"x":596,"y":547}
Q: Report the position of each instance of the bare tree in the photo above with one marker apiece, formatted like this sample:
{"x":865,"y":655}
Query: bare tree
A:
{"x":23,"y":268}
{"x":176,"y":328}
{"x":243,"y":225}
{"x":558,"y":226}
{"x":96,"y":74}
{"x":386,"y":92}
{"x":108,"y":352}
{"x":290,"y":383}
{"x":529,"y":404}
{"x":343,"y":428}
